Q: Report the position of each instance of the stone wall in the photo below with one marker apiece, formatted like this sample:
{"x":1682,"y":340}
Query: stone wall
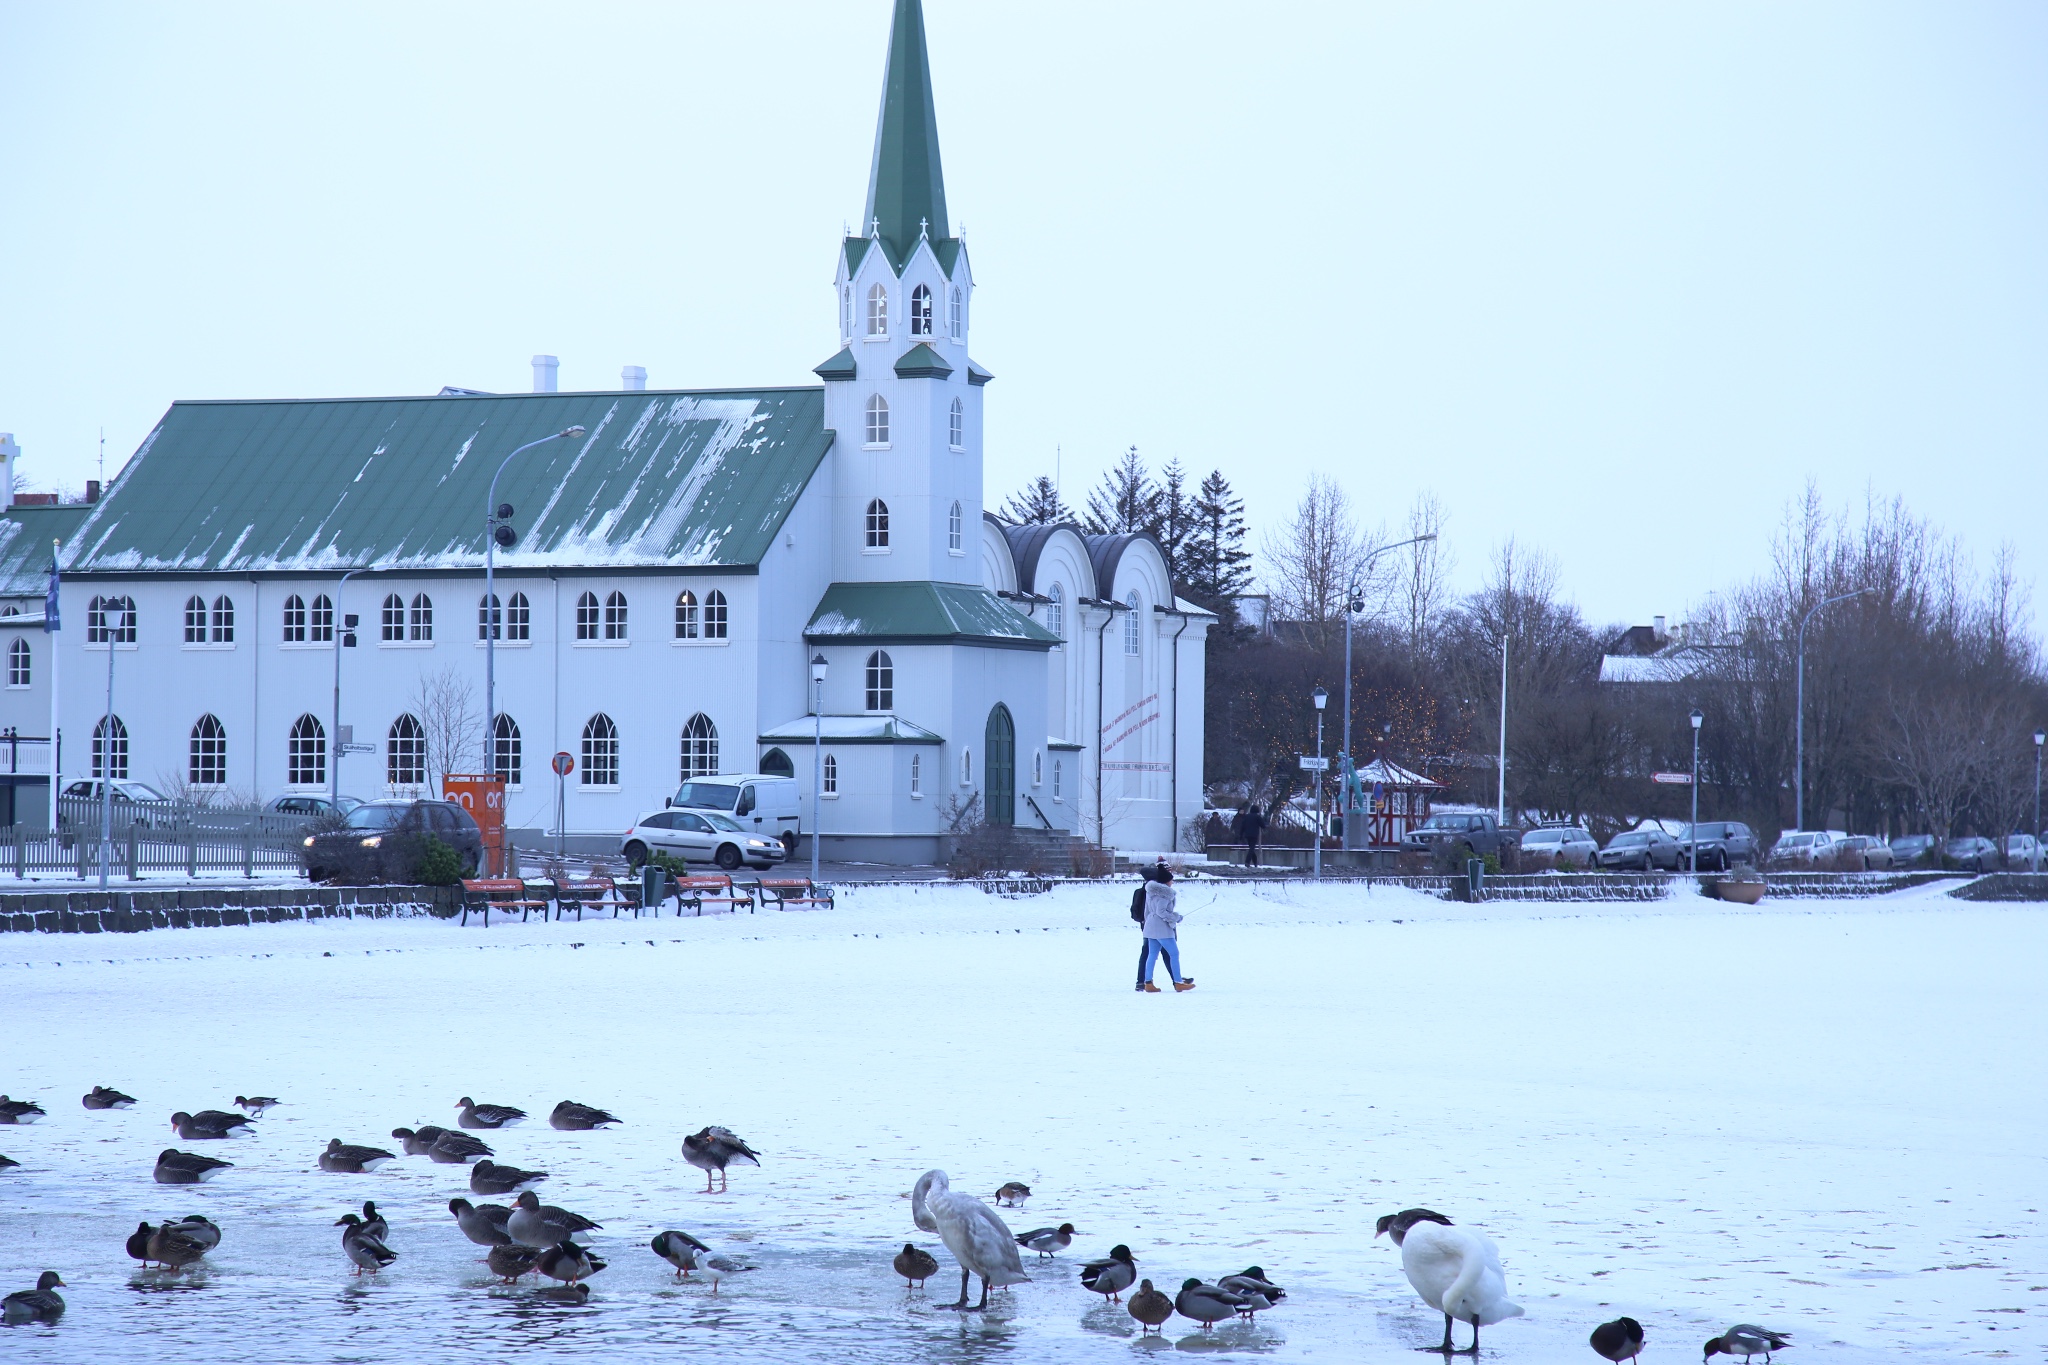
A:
{"x":129,"y":912}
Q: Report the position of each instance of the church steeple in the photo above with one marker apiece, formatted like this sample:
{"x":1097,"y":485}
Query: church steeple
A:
{"x":906,"y":189}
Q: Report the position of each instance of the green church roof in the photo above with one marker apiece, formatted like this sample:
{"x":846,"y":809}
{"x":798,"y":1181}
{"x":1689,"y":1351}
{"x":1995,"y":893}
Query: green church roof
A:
{"x":906,"y":187}
{"x":840,"y":367}
{"x":921,"y":362}
{"x":25,"y":535}
{"x":922,"y":613}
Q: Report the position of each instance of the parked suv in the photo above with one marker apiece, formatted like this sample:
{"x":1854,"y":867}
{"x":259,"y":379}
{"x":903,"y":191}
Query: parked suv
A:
{"x":1720,"y":845}
{"x":1642,"y":849}
{"x":1564,"y":845}
{"x":381,"y":841}
{"x":701,"y":836}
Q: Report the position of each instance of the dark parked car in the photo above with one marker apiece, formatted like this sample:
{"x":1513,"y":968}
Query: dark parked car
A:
{"x":1913,"y":848}
{"x":1461,"y":835}
{"x":1722,"y":844}
{"x":1642,"y":849}
{"x":381,"y":841}
{"x":1979,"y":855}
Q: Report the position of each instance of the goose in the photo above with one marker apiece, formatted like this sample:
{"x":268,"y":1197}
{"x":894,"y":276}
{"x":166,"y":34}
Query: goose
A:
{"x":1619,"y":1340}
{"x":483,"y":1224}
{"x":572,"y":1117}
{"x":915,"y":1265}
{"x":209,"y":1124}
{"x":1111,"y":1275}
{"x":8,"y":1163}
{"x":449,"y":1146}
{"x":106,"y":1097}
{"x":169,"y":1246}
{"x":1206,"y":1303}
{"x":511,"y":1260}
{"x":375,"y":1223}
{"x":564,"y":1293}
{"x":19,"y":1111}
{"x":718,"y":1267}
{"x":256,"y":1104}
{"x":1149,"y":1307}
{"x":536,"y":1224}
{"x":1746,"y":1339}
{"x":978,"y":1238}
{"x":174,"y":1167}
{"x":346,"y":1158}
{"x":710,"y":1149}
{"x":202,"y":1232}
{"x":1046,"y":1241}
{"x":368,"y":1252}
{"x":1012,"y":1194}
{"x":679,"y":1249}
{"x":41,"y":1304}
{"x":476,"y":1115}
{"x":567,"y":1261}
{"x":1455,"y":1270}
{"x":488,"y":1177}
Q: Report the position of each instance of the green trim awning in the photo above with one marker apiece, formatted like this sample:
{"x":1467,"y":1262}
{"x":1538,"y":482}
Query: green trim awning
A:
{"x":840,"y":367}
{"x":976,"y":375}
{"x":921,"y":362}
{"x":922,"y":613}
{"x":860,"y":729}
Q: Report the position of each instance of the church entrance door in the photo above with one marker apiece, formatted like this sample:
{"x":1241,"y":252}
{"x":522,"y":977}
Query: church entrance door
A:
{"x":999,"y":750}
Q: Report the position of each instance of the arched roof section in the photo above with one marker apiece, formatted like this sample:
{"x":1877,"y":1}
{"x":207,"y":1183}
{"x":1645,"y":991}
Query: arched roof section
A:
{"x":998,"y":565}
{"x":1107,"y":553}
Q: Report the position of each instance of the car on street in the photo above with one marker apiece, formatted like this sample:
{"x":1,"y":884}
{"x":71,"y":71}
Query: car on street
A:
{"x":315,"y":806}
{"x":1874,"y":852}
{"x":2020,"y":852}
{"x":1460,"y":834}
{"x":1974,"y":852}
{"x":760,"y":803}
{"x":1721,"y":845}
{"x":700,"y":836}
{"x":381,"y":841}
{"x":1563,"y":845}
{"x":1807,"y":846}
{"x":1642,"y":850}
{"x":1914,"y":848}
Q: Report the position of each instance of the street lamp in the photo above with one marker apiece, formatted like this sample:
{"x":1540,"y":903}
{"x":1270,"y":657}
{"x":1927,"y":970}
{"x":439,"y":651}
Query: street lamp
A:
{"x":113,"y":632}
{"x":342,"y":627}
{"x":1321,"y":699}
{"x":1799,"y":724}
{"x":817,"y":758}
{"x":2039,"y":737}
{"x":1354,"y":603}
{"x":1693,"y":834}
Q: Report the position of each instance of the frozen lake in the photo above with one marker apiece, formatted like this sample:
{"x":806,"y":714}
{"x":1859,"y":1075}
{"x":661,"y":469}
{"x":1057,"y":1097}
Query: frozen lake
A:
{"x":1825,"y":1117}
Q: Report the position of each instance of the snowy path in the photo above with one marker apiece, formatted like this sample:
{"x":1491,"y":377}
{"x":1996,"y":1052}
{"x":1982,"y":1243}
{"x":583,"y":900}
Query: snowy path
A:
{"x":1824,"y":1117}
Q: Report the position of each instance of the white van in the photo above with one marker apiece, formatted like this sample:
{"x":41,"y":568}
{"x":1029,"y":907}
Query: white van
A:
{"x":764,"y":805}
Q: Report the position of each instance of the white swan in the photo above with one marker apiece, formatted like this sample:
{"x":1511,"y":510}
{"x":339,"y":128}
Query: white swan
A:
{"x":1455,"y":1270}
{"x":978,"y":1239}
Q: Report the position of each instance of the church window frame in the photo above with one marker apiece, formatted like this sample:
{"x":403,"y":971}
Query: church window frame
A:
{"x":615,"y":617}
{"x":956,"y":315}
{"x":110,"y":749}
{"x":206,"y":756}
{"x":878,"y":313}
{"x":320,"y":620}
{"x":829,"y":779}
{"x":1134,"y":638}
{"x":419,"y":620}
{"x":699,"y":754}
{"x":1056,"y":613}
{"x":223,"y":620}
{"x":110,"y":622}
{"x":917,"y":777}
{"x":20,"y":664}
{"x":956,"y":428}
{"x":717,"y":616}
{"x":508,"y":752}
{"x":600,"y":753}
{"x":586,"y":618}
{"x":877,"y":423}
{"x":877,"y":528}
{"x":405,"y":753}
{"x":306,"y":753}
{"x":845,"y":312}
{"x":921,"y":311}
{"x":956,"y":530}
{"x":879,"y":682}
{"x":295,"y":620}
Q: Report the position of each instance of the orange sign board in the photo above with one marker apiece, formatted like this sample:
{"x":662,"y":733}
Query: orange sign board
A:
{"x":483,"y":796}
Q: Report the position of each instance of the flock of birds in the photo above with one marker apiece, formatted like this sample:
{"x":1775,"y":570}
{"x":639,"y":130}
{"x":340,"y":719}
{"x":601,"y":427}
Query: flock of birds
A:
{"x":1456,"y":1270}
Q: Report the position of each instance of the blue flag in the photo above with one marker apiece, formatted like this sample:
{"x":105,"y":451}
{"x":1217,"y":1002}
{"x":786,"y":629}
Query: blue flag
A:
{"x":51,"y":622}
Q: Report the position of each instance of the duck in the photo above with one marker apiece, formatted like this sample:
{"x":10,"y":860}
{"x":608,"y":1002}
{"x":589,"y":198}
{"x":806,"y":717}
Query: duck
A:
{"x":476,"y":1115}
{"x":19,"y":1111}
{"x":536,"y":1224}
{"x":572,"y":1117}
{"x":1206,"y":1303}
{"x":202,"y":1232}
{"x":976,"y":1235}
{"x":1455,"y":1270}
{"x":41,"y":1304}
{"x":106,"y":1097}
{"x":711,"y":1149}
{"x":346,"y":1158}
{"x":1149,"y":1307}
{"x":375,"y":1223}
{"x":578,"y":1292}
{"x":718,"y":1267}
{"x":1619,"y":1340}
{"x":1259,"y":1292}
{"x":8,"y":1163}
{"x":257,"y":1104}
{"x":567,"y":1261}
{"x":510,"y":1261}
{"x":483,"y":1224}
{"x":679,"y":1249}
{"x":170,"y":1247}
{"x":1045,"y":1241}
{"x":1012,"y":1194}
{"x":450,"y":1146}
{"x":138,"y":1242}
{"x":915,"y":1265}
{"x":1111,"y":1275}
{"x":488,"y":1177}
{"x":1746,"y":1339}
{"x":367,"y":1251}
{"x":174,"y":1167}
{"x":211,"y":1124}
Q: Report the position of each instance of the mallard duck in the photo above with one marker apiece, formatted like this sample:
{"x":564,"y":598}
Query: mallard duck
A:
{"x":1619,"y":1340}
{"x":539,"y":1225}
{"x":564,"y":1293}
{"x":169,"y":1246}
{"x":1206,"y":1303}
{"x":138,"y":1242}
{"x":1259,"y":1292}
{"x":1746,"y":1339}
{"x":567,"y":1261}
{"x":201,"y":1232}
{"x":19,"y":1111}
{"x":345,"y":1158}
{"x":712,"y":1148}
{"x":1112,"y":1275}
{"x":1012,"y":1194}
{"x":210,"y":1124}
{"x":476,"y":1115}
{"x":572,"y":1117}
{"x":718,"y":1267}
{"x":41,"y":1304}
{"x":1455,"y":1270}
{"x":106,"y":1097}
{"x":679,"y":1249}
{"x":174,"y":1167}
{"x":976,"y":1235}
{"x":367,"y":1251}
{"x":483,"y":1224}
{"x":915,"y":1265}
{"x":256,"y":1104}
{"x":375,"y":1223}
{"x":8,"y":1163}
{"x":1149,"y":1307}
{"x":1045,"y":1241}
{"x":510,"y":1261}
{"x":488,"y":1177}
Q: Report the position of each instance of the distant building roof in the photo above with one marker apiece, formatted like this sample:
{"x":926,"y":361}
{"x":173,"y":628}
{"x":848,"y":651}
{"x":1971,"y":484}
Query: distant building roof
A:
{"x":1672,"y":666}
{"x":1393,"y":774}
{"x":25,"y":536}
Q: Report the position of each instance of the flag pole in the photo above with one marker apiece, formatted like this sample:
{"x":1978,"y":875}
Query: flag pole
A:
{"x":51,"y":626}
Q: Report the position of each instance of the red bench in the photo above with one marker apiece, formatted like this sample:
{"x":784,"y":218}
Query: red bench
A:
{"x":598,"y":893}
{"x":485,"y":894}
{"x":783,"y":892}
{"x":695,"y":892}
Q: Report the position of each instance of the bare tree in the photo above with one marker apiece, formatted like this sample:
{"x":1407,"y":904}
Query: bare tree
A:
{"x":445,"y":702}
{"x":1422,"y":589}
{"x":1312,"y":560}
{"x":1932,"y":751}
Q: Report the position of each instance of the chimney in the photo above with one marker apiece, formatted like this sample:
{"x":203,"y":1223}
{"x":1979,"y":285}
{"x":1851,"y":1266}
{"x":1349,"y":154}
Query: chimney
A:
{"x":544,"y":367}
{"x":92,"y":490}
{"x":9,"y":453}
{"x":1657,"y":627}
{"x":635,"y":378}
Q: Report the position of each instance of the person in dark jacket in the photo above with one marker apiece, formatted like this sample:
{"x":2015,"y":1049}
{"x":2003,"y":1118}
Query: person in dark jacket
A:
{"x":1146,"y":876}
{"x":1250,"y":824}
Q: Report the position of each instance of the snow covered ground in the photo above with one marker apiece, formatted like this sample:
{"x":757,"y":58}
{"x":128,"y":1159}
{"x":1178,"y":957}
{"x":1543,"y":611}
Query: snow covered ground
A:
{"x":1824,"y":1117}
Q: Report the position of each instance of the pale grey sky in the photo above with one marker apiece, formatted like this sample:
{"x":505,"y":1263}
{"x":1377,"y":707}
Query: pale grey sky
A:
{"x":1613,"y":278}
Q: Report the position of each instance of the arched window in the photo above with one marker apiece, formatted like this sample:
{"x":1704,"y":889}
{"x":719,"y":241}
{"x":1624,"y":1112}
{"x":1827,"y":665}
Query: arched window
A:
{"x":921,"y":311}
{"x":714,"y":615}
{"x":305,"y":753}
{"x":776,"y":763}
{"x":686,"y":615}
{"x":110,"y":619}
{"x":1057,"y":772}
{"x":295,"y":620}
{"x":586,"y":616}
{"x":846,"y":312}
{"x":394,"y":617}
{"x":195,"y":620}
{"x":956,"y":319}
{"x":19,"y":664}
{"x":405,"y":753}
{"x":700,"y":747}
{"x":830,"y":778}
{"x":223,"y":620}
{"x":615,"y":616}
{"x":600,"y":752}
{"x":956,"y":427}
{"x":881,"y":681}
{"x":956,"y":531}
{"x":490,"y":617}
{"x":1037,"y":766}
{"x":878,"y":525}
{"x":207,"y":759}
{"x":320,"y":620}
{"x":878,"y":420}
{"x":917,"y":774}
{"x":1056,"y":611}
{"x":518,"y":617}
{"x":507,"y":760}
{"x":419,"y":621}
{"x":878,"y":312}
{"x":1132,"y":632}
{"x":110,"y":749}
{"x":967,"y":767}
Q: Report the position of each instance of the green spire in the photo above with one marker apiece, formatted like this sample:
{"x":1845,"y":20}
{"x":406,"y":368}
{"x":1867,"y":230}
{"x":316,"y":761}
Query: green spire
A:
{"x":906,"y":189}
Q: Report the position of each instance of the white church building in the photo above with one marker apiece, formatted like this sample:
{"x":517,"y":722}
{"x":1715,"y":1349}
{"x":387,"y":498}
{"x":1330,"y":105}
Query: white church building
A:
{"x":670,"y":575}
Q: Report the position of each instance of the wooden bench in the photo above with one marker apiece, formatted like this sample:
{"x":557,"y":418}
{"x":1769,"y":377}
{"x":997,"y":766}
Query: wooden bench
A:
{"x":598,"y":893}
{"x":783,"y":892}
{"x":485,"y":894}
{"x":710,"y":888}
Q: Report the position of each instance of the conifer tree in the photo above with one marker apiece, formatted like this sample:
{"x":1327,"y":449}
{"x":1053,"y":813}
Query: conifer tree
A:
{"x":1127,"y":500}
{"x":1217,"y":566}
{"x":1175,"y":523}
{"x":1038,"y":502}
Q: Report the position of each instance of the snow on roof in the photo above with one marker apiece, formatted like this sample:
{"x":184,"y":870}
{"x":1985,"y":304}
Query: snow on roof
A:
{"x":1393,"y":774}
{"x":861,"y":729}
{"x":1676,"y":666}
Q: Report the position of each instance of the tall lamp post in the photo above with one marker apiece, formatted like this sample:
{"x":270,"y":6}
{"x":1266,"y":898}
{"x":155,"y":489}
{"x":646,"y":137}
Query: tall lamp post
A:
{"x":817,"y":758}
{"x":344,"y":637}
{"x":1799,"y":724}
{"x":1693,"y":833}
{"x":114,"y":632}
{"x":2040,"y":736}
{"x":1321,"y":699}
{"x":1354,"y":603}
{"x":498,"y":531}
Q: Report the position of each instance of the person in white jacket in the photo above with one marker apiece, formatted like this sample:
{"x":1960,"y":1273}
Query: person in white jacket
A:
{"x":1160,"y":940}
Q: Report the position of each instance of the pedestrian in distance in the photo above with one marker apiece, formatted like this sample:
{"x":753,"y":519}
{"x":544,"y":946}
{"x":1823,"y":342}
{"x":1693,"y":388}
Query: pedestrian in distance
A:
{"x":1145,"y":876}
{"x":1250,"y":823}
{"x":1160,"y":938}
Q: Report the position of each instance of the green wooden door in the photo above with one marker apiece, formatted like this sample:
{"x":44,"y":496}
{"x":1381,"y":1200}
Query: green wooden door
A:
{"x":999,"y":760}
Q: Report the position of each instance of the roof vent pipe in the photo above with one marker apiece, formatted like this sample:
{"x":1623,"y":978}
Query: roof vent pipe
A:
{"x":544,"y":367}
{"x":9,"y":453}
{"x":634,"y":377}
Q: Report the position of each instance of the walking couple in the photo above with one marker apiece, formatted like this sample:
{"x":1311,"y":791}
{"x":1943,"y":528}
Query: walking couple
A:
{"x":1153,"y":907}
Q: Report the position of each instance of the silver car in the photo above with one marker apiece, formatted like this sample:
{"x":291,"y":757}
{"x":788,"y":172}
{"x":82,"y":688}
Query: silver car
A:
{"x":699,"y":836}
{"x":1564,"y":845}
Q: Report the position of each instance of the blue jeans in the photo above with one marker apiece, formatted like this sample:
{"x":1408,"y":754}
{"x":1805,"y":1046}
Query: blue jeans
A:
{"x":1156,"y":948}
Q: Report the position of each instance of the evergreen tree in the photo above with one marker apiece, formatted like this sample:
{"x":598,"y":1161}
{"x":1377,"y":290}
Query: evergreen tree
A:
{"x":1176,"y":523}
{"x":1217,"y":566}
{"x":1127,"y":501}
{"x":1038,"y":502}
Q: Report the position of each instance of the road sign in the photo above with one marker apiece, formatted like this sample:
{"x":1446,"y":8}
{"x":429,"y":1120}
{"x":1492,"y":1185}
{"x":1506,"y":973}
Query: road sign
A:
{"x":1672,"y":779}
{"x":1314,"y":765}
{"x":563,"y":764}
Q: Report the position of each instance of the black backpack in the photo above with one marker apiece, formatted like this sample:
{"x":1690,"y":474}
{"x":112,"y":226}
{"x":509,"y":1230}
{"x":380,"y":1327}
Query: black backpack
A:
{"x":1138,"y":897}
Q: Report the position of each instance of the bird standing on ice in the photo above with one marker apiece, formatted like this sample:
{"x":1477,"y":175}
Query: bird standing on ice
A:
{"x":972,"y":1231}
{"x":1619,"y":1340}
{"x":1746,"y":1339}
{"x":1455,"y":1270}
